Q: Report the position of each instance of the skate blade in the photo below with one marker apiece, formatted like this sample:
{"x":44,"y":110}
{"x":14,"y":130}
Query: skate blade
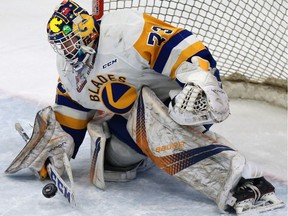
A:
{"x":260,"y":207}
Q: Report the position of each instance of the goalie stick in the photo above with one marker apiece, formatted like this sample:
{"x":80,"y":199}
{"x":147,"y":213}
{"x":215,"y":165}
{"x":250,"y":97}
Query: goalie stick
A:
{"x":61,"y":185}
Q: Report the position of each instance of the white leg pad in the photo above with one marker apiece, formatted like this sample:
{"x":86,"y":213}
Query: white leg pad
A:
{"x":98,"y":141}
{"x":184,"y":152}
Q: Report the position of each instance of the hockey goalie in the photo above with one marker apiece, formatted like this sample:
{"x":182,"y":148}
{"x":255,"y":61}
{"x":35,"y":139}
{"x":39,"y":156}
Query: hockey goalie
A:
{"x":147,"y":93}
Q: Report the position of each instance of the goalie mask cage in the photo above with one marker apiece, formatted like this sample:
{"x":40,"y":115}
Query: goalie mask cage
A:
{"x":248,"y":39}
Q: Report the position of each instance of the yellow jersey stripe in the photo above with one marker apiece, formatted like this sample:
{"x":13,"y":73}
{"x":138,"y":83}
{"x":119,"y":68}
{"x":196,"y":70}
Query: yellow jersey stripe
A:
{"x":185,"y":54}
{"x":176,"y":52}
{"x":71,"y":122}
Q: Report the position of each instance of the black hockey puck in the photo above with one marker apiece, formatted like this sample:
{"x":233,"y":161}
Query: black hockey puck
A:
{"x":49,"y":190}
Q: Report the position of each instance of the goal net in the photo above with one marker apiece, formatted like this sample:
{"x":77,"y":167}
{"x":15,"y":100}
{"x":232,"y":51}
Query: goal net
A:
{"x":247,"y":38}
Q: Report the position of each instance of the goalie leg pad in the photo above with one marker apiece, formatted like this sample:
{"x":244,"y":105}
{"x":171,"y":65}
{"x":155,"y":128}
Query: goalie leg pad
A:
{"x":48,"y":142}
{"x":112,"y":160}
{"x":98,"y":142}
{"x":184,"y":152}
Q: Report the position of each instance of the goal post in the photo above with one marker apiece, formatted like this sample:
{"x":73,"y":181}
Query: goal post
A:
{"x":247,"y":38}
{"x":97,"y":8}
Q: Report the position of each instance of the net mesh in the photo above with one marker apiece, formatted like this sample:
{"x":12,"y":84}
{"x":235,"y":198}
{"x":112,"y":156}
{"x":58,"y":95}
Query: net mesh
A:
{"x":248,"y":38}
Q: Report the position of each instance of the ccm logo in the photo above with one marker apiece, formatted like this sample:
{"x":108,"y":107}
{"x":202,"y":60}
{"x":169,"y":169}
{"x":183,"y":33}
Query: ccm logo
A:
{"x":61,"y":186}
{"x":170,"y":146}
{"x":109,"y":63}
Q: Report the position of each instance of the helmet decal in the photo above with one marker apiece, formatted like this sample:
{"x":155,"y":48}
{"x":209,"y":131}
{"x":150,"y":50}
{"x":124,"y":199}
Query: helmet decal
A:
{"x":85,"y":26}
{"x":66,"y":29}
{"x":55,"y":24}
{"x":65,"y":11}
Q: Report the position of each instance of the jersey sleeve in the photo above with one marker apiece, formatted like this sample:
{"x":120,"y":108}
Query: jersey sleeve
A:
{"x":72,"y":117}
{"x":165,"y":47}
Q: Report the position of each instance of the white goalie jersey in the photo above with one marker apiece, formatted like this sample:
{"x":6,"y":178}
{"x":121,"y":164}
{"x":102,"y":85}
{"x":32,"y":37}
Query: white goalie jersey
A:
{"x":147,"y":53}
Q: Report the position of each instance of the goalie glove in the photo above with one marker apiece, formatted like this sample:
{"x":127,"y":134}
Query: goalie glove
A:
{"x":202,"y":100}
{"x":47,"y":144}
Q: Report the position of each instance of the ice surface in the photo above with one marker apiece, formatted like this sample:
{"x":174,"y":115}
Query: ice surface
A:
{"x":27,"y":84}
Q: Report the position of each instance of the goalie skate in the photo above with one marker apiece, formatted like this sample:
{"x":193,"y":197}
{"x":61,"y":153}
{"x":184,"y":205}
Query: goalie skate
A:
{"x":253,"y":196}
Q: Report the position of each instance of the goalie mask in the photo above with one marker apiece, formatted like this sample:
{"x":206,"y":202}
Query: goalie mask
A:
{"x":72,"y":32}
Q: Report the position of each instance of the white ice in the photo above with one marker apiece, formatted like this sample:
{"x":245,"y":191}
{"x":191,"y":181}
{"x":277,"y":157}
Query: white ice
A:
{"x":28,"y":79}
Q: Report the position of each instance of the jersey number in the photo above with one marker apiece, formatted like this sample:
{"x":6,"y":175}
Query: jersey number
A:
{"x":155,"y":38}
